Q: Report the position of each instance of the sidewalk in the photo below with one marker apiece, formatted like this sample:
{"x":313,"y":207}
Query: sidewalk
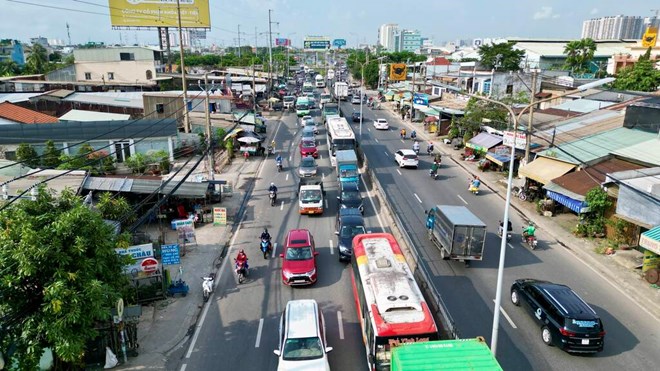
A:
{"x":618,"y":268}
{"x":166,"y":325}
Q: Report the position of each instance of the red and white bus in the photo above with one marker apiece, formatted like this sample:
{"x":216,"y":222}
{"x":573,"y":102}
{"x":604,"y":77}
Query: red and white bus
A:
{"x":390,"y":305}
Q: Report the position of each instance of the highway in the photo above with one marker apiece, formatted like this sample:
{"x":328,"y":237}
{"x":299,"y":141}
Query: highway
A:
{"x":632,"y":337}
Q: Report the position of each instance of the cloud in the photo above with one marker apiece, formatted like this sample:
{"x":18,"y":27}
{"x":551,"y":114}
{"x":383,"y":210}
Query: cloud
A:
{"x":544,"y":13}
{"x":594,"y":11}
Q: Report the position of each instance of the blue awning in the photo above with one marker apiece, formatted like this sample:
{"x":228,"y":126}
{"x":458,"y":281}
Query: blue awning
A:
{"x":573,"y":204}
{"x":498,"y":158}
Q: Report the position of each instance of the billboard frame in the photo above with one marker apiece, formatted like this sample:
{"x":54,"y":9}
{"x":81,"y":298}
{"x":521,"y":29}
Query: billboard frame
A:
{"x":151,"y":14}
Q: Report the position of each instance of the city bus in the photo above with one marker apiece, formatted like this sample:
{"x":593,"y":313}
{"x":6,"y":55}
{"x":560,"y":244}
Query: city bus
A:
{"x":390,"y":306}
{"x":302,"y":106}
{"x":320,"y":81}
{"x":307,"y":88}
{"x":340,"y":136}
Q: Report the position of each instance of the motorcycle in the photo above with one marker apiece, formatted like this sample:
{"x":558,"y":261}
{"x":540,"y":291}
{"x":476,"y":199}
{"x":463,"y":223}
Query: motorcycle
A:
{"x":433,"y":174}
{"x":279,"y":166}
{"x":520,"y":193}
{"x":266,"y":247}
{"x":273,"y":198}
{"x":241,"y":270}
{"x":271,"y":150}
{"x":207,"y":286}
{"x":531,"y":241}
{"x":474,"y":189}
{"x":416,"y":149}
{"x":508,"y":234}
{"x":429,"y":150}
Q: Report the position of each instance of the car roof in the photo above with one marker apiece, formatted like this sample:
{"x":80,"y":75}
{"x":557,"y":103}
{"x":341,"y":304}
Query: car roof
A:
{"x":381,"y":119}
{"x":565,"y":299}
{"x":349,"y":186}
{"x":407,"y":151}
{"x":308,"y":128}
{"x":298,"y":313}
{"x":298,"y":234}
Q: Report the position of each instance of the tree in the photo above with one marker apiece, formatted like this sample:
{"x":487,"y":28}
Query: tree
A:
{"x":37,"y":61}
{"x":55,"y":57}
{"x":28,"y":155}
{"x":69,"y":60}
{"x":578,"y":54}
{"x":51,"y":156}
{"x":642,"y":76}
{"x":115,"y":208}
{"x":60,"y":278}
{"x":501,"y":57}
{"x":479,"y":112}
{"x":9,"y":68}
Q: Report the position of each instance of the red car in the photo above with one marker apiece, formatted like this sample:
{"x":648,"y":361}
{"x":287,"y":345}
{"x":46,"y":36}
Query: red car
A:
{"x":299,"y":264}
{"x":308,"y":148}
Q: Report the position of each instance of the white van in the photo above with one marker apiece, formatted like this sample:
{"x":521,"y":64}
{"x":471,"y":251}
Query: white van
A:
{"x":302,"y":343}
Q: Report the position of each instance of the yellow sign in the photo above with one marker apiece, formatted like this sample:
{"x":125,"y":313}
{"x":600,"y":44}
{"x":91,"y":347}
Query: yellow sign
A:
{"x":219,"y":216}
{"x":398,"y":71}
{"x":650,"y":37}
{"x":159,"y":13}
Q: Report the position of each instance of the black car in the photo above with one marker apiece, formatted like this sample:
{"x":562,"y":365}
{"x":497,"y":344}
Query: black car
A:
{"x":355,"y":117}
{"x":278,"y":106}
{"x":349,"y":224}
{"x":350,"y":197}
{"x":566,"y":320}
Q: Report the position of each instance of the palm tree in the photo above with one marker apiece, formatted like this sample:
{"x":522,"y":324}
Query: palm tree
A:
{"x":37,"y":61}
{"x":578,"y":54}
{"x":9,"y":68}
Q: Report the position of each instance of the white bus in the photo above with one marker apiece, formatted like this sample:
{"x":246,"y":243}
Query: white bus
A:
{"x":320,"y":81}
{"x":340,"y":137}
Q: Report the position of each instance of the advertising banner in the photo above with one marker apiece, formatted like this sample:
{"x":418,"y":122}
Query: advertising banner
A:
{"x":219,"y":216}
{"x":520,"y":139}
{"x":650,"y":37}
{"x":143,"y":265}
{"x":282,"y":42}
{"x":169,"y":254}
{"x":159,"y":13}
{"x":421,"y":99}
{"x":398,"y":71}
{"x":338,"y":43}
{"x":316,"y":42}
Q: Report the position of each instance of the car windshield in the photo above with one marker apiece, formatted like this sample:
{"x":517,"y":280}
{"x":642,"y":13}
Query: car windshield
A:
{"x":310,"y":123}
{"x":302,"y":349}
{"x":307,"y":162}
{"x":308,"y":144}
{"x":349,"y":173}
{"x":350,"y":196}
{"x":299,"y":253}
{"x":302,"y":106}
{"x":352,"y":231}
{"x":310,"y":196}
{"x":325,"y":96}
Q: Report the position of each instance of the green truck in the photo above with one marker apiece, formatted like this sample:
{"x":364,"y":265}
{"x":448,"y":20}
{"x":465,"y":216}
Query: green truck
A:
{"x":464,"y":354}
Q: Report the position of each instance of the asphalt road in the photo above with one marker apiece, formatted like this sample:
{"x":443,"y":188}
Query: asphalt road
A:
{"x":632,"y":334}
{"x":240,"y":325}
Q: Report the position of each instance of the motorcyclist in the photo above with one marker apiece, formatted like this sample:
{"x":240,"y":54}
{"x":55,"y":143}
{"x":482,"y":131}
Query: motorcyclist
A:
{"x":434,"y":168}
{"x":278,"y":159}
{"x":416,"y":147}
{"x":475,"y":182}
{"x":529,"y":231}
{"x":403,"y":133}
{"x":265,"y":235}
{"x":501,"y":228}
{"x":413,"y":135}
{"x":429,"y":148}
{"x":242,"y":258}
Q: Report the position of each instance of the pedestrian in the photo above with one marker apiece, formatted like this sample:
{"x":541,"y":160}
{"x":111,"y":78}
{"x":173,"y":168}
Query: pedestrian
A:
{"x":246,"y":155}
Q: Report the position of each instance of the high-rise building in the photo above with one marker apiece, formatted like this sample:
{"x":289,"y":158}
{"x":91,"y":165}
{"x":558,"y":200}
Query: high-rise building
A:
{"x":407,"y":40}
{"x":386,"y":35}
{"x":617,"y":27}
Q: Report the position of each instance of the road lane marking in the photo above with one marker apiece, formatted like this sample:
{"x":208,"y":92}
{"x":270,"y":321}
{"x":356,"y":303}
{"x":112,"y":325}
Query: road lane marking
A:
{"x":369,"y":129}
{"x":341,"y":325}
{"x":282,"y":206}
{"x":326,"y":203}
{"x":462,"y":199}
{"x":183,"y":367}
{"x":510,"y":245}
{"x":402,"y":141}
{"x":373,"y":205}
{"x":398,"y":171}
{"x":332,"y":250}
{"x":506,"y":316}
{"x":290,"y":157}
{"x":287,"y":176}
{"x":417,"y":197}
{"x":272,"y":255}
{"x":261,"y":327}
{"x":376,"y":139}
{"x":387,"y":154}
{"x":322,"y":175}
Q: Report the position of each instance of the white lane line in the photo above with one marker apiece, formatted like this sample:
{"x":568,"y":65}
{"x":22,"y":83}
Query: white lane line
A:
{"x":326,"y":203}
{"x":272,"y":255}
{"x":290,"y":157}
{"x":376,"y":139}
{"x":506,"y":316}
{"x":183,"y":367}
{"x":282,"y":206}
{"x":320,"y":156}
{"x":417,"y":197}
{"x":369,"y":129}
{"x":510,"y":245}
{"x":462,"y":199}
{"x":341,"y":325}
{"x":398,"y":171}
{"x":323,"y":176}
{"x":402,"y":141}
{"x":387,"y":154}
{"x":261,"y":327}
{"x":287,"y":176}
{"x":332,"y":249}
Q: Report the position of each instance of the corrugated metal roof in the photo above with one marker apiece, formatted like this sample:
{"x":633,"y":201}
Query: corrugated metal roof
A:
{"x":598,"y":146}
{"x":81,"y":115}
{"x":18,"y":114}
{"x":123,"y":99}
{"x":108,"y":184}
{"x":70,"y":180}
{"x":187,"y":189}
{"x":580,"y":126}
{"x":578,"y":183}
{"x":647,"y":152}
{"x":583,"y":105}
{"x":17,"y":97}
{"x":543,"y":170}
{"x":555,"y":48}
{"x":486,"y":140}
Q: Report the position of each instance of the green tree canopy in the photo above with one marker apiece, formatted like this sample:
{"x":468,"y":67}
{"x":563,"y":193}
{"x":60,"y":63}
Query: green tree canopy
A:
{"x":37,"y":61}
{"x":51,"y":156}
{"x":479,"y":112}
{"x":9,"y":68}
{"x":28,"y":155}
{"x":642,"y":76}
{"x":501,"y":57}
{"x":60,"y":277}
{"x":578,"y":54}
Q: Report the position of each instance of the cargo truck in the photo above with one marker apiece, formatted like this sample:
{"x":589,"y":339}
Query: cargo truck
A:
{"x":341,"y":90}
{"x":347,"y":166}
{"x":458,"y":233}
{"x":463,"y":354}
{"x":310,"y":197}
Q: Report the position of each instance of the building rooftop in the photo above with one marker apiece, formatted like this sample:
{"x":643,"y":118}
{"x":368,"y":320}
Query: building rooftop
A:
{"x":645,"y":152}
{"x":574,"y":128}
{"x":582,"y":105}
{"x":555,"y":48}
{"x":13,"y":113}
{"x":81,"y":115}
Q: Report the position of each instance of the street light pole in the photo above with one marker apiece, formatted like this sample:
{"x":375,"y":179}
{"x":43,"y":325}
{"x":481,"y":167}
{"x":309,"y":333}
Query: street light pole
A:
{"x":186,"y":118}
{"x":361,"y":87}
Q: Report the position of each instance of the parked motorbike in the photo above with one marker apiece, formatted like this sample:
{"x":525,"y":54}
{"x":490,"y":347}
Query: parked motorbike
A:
{"x":273,"y":198}
{"x":520,"y":193}
{"x":207,"y":286}
{"x":266,"y":247}
{"x":241,"y":270}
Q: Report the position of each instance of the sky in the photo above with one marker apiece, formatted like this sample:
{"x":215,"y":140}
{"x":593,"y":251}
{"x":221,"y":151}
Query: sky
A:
{"x":356,"y":21}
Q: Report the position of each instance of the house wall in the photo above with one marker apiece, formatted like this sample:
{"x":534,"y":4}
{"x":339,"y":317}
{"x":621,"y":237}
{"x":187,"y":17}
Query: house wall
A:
{"x":645,"y":118}
{"x":172,"y":106}
{"x":636,"y":206}
{"x":124,"y":71}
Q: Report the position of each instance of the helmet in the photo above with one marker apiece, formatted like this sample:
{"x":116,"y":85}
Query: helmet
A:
{"x":272,"y":184}
{"x":265,"y":230}
{"x":241,"y":251}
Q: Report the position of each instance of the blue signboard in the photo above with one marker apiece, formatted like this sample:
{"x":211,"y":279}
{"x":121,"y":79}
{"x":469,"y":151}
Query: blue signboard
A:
{"x":316,"y":44}
{"x":169,"y":254}
{"x":338,"y":42}
{"x":421,"y":99}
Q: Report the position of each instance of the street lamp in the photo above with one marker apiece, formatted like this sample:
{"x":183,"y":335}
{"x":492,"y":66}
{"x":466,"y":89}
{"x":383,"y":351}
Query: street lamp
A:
{"x":379,"y":73}
{"x":507,"y":204}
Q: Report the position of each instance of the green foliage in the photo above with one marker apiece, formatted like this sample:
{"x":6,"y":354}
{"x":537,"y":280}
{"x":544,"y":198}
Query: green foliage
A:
{"x":51,"y":156}
{"x":578,"y":55}
{"x":88,"y":159}
{"x":115,"y":208}
{"x":642,"y":76}
{"x":479,"y":112}
{"x":9,"y":68}
{"x":60,"y":277}
{"x":137,"y":163}
{"x":28,"y":155}
{"x":501,"y":57}
{"x":598,"y":202}
{"x":37,"y":61}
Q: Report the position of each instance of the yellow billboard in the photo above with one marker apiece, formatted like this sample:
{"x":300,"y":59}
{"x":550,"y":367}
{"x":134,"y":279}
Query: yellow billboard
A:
{"x":398,"y":71}
{"x":650,"y":37}
{"x":159,"y":13}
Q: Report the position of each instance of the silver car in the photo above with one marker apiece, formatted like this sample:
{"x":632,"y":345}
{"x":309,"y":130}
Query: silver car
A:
{"x":307,"y":167}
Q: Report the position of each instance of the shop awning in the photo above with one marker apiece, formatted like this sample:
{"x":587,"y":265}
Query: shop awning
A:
{"x":650,"y":240}
{"x":483,"y":142}
{"x":544,"y":169}
{"x":571,"y":203}
{"x":498,"y":159}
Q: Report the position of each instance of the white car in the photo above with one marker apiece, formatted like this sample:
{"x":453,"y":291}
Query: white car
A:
{"x":406,"y":158}
{"x":304,"y":119}
{"x":381,"y":124}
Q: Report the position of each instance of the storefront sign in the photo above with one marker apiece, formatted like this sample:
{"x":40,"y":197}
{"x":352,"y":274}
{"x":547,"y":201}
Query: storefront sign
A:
{"x":170,"y":254}
{"x":139,"y":268}
{"x":649,"y":243}
{"x":138,"y":252}
{"x":178,"y":223}
{"x":219,"y":216}
{"x":187,"y":234}
{"x":521,"y":139}
{"x":149,"y":265}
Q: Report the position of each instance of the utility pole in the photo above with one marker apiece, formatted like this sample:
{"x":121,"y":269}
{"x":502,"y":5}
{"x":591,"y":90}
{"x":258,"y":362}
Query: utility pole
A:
{"x":186,"y":119}
{"x":209,"y":138}
{"x":254,"y":83}
{"x":239,"y":40}
{"x":531,"y":117}
{"x":270,"y":54}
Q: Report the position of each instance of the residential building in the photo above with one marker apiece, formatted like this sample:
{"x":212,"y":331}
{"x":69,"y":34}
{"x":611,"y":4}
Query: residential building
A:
{"x":617,"y":27}
{"x":407,"y":40}
{"x":386,"y":35}
{"x":11,"y":113}
{"x":118,"y":64}
{"x":12,"y":50}
{"x":39,"y":40}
